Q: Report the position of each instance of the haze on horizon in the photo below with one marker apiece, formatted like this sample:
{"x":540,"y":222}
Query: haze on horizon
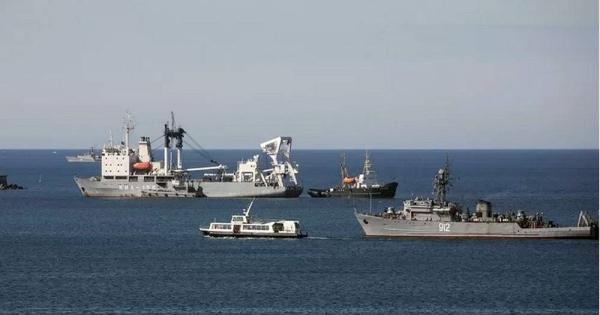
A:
{"x":404,"y":74}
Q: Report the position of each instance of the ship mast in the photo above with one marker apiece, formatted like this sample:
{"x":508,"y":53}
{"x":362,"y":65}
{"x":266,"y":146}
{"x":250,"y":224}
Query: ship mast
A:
{"x":441,"y":183}
{"x":170,"y":134}
{"x":177,"y":134}
{"x":129,"y":125}
{"x":343,"y":167}
{"x":367,"y":166}
{"x":110,"y":143}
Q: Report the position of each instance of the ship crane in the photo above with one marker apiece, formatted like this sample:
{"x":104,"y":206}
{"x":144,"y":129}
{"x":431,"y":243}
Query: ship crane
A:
{"x":280,"y":148}
{"x":207,"y":168}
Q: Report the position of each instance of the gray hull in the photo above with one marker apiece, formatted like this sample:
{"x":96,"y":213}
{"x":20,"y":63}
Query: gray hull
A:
{"x":375,"y":226}
{"x":82,"y":159}
{"x":94,"y":187}
{"x":247,"y":190}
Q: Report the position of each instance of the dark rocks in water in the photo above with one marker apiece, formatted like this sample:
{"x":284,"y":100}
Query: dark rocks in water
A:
{"x":10,"y":186}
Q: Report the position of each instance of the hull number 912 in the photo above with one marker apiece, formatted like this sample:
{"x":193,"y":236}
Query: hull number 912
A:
{"x":444,"y":227}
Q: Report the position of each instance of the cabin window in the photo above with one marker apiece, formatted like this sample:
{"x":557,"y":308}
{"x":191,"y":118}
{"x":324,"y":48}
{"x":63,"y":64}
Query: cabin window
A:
{"x":256,"y":227}
{"x":222,"y":226}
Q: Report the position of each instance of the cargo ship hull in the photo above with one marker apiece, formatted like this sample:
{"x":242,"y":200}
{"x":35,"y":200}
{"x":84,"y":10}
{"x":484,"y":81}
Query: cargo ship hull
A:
{"x":96,"y":187}
{"x":247,"y":190}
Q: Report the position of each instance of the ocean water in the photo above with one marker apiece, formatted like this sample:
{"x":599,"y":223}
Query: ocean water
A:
{"x":61,"y":253}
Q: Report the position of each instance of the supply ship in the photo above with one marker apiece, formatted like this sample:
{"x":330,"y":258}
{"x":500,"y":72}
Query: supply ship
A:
{"x":134,"y":173}
{"x":438,"y":218}
{"x":365,"y":185}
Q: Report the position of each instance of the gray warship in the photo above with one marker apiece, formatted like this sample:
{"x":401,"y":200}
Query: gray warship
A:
{"x":249,"y":180}
{"x":89,"y":156}
{"x":438,"y":218}
{"x":134,"y":173}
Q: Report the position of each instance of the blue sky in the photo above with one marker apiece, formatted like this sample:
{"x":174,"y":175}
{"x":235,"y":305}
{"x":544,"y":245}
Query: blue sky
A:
{"x":331,"y":74}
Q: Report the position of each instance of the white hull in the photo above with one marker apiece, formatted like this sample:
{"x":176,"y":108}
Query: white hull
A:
{"x":207,"y":232}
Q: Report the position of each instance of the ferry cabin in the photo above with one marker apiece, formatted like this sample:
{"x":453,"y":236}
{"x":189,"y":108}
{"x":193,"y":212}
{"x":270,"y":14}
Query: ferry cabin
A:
{"x":256,"y":228}
{"x":244,"y":226}
{"x":242,"y":223}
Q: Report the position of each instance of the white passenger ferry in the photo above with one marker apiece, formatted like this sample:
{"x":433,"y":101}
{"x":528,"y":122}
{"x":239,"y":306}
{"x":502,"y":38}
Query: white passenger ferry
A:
{"x":246,"y":226}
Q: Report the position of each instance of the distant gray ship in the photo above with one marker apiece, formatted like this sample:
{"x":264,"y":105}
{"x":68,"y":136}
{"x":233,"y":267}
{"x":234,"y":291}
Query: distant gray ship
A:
{"x":441,"y":219}
{"x":89,"y":156}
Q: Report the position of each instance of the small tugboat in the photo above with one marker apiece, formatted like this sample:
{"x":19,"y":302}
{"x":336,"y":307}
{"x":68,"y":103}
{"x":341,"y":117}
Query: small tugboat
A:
{"x":365,"y":185}
{"x":246,"y":226}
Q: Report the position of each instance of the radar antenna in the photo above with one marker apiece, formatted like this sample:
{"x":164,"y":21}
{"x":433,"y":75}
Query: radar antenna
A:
{"x":442,"y":182}
{"x":129,"y":125}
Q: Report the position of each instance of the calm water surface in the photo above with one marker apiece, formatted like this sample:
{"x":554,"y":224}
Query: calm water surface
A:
{"x":62,"y":253}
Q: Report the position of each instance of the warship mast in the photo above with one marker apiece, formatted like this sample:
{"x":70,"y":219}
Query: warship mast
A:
{"x":441,"y":183}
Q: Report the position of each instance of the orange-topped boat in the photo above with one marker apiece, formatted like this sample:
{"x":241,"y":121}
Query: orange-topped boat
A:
{"x":142,"y":166}
{"x":365,"y":185}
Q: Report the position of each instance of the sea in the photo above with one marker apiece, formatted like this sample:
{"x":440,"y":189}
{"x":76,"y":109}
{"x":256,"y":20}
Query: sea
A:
{"x":62,"y":253}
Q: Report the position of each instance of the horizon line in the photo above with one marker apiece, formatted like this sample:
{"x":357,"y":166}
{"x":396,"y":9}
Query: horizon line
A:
{"x":330,"y":149}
